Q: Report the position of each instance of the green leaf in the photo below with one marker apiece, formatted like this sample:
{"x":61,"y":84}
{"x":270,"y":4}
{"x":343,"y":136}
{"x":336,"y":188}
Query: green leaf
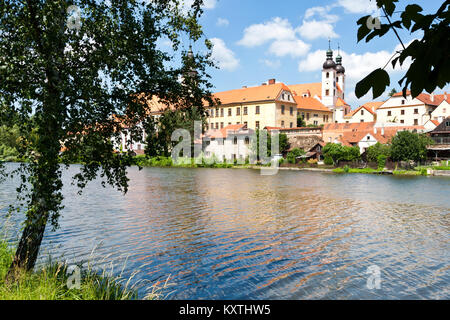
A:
{"x":378,"y":80}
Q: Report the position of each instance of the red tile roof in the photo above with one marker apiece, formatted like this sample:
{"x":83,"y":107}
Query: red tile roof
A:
{"x":252,"y":94}
{"x":310,"y":103}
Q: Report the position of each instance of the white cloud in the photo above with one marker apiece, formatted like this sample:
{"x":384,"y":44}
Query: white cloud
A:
{"x":357,"y":66}
{"x":316,"y":29}
{"x":359,"y":6}
{"x":322,"y":12}
{"x":221,"y":22}
{"x":318,"y":23}
{"x":293,"y":48}
{"x":224,"y":57}
{"x":271,"y":64}
{"x":276,"y":29}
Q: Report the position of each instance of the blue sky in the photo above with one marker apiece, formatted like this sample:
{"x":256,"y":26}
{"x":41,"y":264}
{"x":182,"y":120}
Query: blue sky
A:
{"x":255,"y":40}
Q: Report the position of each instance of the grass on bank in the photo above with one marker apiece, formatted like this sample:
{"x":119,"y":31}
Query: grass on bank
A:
{"x":51,"y":283}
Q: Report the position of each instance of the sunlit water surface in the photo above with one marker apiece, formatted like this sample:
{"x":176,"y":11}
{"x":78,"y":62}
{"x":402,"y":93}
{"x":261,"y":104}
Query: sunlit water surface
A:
{"x":235,"y":234}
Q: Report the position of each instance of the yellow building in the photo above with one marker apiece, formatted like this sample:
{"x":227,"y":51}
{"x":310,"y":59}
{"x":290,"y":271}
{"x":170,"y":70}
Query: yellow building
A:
{"x":271,"y":105}
{"x":312,"y":111}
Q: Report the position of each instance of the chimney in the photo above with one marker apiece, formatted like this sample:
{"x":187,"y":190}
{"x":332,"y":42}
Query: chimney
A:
{"x":271,"y":81}
{"x":432,"y":97}
{"x":375,"y":130}
{"x":445,"y":95}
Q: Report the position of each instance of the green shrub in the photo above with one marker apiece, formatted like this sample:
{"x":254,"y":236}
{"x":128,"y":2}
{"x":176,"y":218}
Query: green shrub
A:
{"x":328,"y":161}
{"x":381,"y":159}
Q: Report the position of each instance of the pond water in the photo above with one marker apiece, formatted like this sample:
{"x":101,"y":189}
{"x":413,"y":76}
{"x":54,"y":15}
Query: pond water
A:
{"x":236,"y":234}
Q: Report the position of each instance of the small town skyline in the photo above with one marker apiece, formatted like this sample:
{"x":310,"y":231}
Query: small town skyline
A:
{"x":276,"y":41}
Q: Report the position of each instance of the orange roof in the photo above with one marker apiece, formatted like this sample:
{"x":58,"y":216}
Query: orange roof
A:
{"x":223,"y":133}
{"x":355,"y":135}
{"x":340,"y":103}
{"x":310,"y":103}
{"x":313,"y":89}
{"x":369,"y":106}
{"x":436,"y":122}
{"x":425,"y":97}
{"x":373,"y":105}
{"x":252,"y":94}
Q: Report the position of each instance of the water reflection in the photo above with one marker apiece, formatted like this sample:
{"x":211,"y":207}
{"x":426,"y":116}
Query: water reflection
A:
{"x":234,"y":234}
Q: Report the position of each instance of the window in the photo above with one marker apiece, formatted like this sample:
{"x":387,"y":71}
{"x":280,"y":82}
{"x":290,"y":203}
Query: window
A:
{"x":217,"y":125}
{"x":282,"y":124}
{"x":324,"y":119}
{"x":238,"y":122}
{"x":221,"y":112}
{"x":229,"y":123}
{"x":303,"y":115}
{"x":447,"y":123}
{"x":208,"y":143}
{"x":389,"y":113}
{"x":229,"y":112}
{"x":291,"y":125}
{"x":221,"y":125}
{"x":362,"y":112}
{"x":416,"y":111}
{"x":362,"y":120}
{"x":245,"y":123}
{"x":416,"y":122}
{"x":282,"y":96}
{"x":402,"y":112}
{"x":316,"y":115}
{"x":328,"y":75}
{"x":247,"y":140}
{"x":235,"y":140}
{"x":403,"y":101}
{"x":245,"y":111}
{"x":282,"y":109}
{"x":316,"y":122}
{"x":257,"y":125}
{"x":327,"y":92}
{"x":307,"y":116}
{"x":402,"y":121}
{"x":444,"y":110}
{"x":238,"y":111}
{"x":217,"y":112}
{"x":257,"y":110}
{"x":291,"y":111}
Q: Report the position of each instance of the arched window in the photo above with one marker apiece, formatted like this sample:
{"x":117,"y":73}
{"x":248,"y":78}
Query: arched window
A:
{"x":328,"y":75}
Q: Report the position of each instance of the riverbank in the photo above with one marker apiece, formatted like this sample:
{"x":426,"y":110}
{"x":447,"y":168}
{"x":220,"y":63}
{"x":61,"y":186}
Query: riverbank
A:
{"x":51,"y":283}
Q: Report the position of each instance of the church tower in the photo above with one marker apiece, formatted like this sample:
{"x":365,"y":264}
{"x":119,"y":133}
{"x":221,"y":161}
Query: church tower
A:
{"x":340,"y":74}
{"x":329,"y":94}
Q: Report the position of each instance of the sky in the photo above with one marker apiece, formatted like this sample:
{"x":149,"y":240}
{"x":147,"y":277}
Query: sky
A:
{"x":257,"y":40}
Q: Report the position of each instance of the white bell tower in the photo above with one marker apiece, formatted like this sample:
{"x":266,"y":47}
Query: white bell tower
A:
{"x":329,"y":91}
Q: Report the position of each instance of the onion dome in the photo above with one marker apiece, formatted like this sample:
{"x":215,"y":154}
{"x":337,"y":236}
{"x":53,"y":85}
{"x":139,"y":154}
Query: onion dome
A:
{"x":339,"y":67}
{"x":329,"y":63}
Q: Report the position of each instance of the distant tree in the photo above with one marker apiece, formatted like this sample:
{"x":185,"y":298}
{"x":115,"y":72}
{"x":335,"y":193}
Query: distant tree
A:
{"x":294,"y":154}
{"x":300,"y":121}
{"x":159,"y":131}
{"x":373,"y":152}
{"x":77,"y":71}
{"x":430,"y":67}
{"x":407,"y":146}
{"x":339,"y":152}
{"x":283,"y":142}
{"x":393,"y":91}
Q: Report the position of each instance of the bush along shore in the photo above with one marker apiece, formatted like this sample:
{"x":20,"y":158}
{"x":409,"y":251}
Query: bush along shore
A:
{"x":52,"y":282}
